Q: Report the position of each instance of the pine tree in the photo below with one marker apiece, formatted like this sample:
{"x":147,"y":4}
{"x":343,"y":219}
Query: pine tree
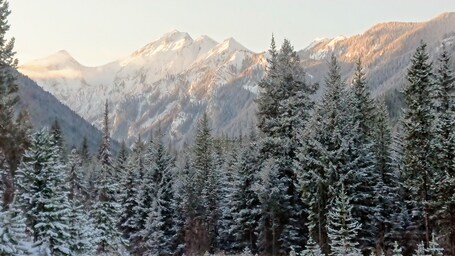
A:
{"x":245,"y":201}
{"x":13,"y":131}
{"x":434,"y":249}
{"x":312,"y":249}
{"x":270,"y":192}
{"x":443,"y":146}
{"x":205,"y":189}
{"x":13,"y":236}
{"x":76,"y":180}
{"x":57,"y":133}
{"x":342,"y":227}
{"x":159,"y":228}
{"x":43,"y":193}
{"x":129,"y":224}
{"x":84,"y":152}
{"x":106,"y":210}
{"x":146,"y":193}
{"x":329,"y":153}
{"x":361,"y":157}
{"x":420,"y":250}
{"x":417,"y":141}
{"x":226,"y":222}
{"x":120,"y":170}
{"x":84,"y":237}
{"x":284,"y":106}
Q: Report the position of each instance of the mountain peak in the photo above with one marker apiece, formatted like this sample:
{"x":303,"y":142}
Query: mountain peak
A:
{"x":60,"y":58}
{"x":446,"y":15}
{"x":171,"y":41}
{"x":175,"y":35}
{"x":231,"y":44}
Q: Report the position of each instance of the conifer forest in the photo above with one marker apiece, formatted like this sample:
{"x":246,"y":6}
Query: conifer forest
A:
{"x":320,"y":174}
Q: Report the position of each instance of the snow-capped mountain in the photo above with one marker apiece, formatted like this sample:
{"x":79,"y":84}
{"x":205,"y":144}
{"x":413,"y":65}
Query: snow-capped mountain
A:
{"x":170,"y":82}
{"x":165,"y":85}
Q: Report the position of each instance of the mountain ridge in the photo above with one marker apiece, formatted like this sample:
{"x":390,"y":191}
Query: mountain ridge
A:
{"x":168,"y":83}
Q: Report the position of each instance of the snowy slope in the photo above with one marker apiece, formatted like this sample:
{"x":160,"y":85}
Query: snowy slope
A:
{"x":166,"y":83}
{"x":170,"y":82}
{"x":44,"y":109}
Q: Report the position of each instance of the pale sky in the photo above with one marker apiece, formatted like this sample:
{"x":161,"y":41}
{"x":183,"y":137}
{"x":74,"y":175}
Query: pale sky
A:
{"x":99,"y":31}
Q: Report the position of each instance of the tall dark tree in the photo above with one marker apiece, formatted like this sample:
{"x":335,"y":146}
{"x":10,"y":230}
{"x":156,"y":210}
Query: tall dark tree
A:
{"x":443,"y":147}
{"x":13,"y":130}
{"x":284,"y":105}
{"x":106,"y":210}
{"x":321,"y":158}
{"x":245,"y":201}
{"x":418,"y":171}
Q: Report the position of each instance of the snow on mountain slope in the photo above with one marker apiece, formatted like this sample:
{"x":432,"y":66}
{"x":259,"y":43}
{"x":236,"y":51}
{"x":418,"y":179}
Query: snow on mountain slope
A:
{"x":385,"y":50}
{"x":44,"y":109}
{"x":166,"y":83}
{"x":169,"y":83}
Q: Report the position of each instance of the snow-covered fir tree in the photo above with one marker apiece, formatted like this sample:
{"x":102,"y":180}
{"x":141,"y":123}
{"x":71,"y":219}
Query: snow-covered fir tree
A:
{"x":159,"y":230}
{"x":14,"y":240}
{"x":245,"y":201}
{"x":361,"y":157}
{"x":434,"y":249}
{"x":284,"y":107}
{"x":270,"y":192}
{"x":418,"y":171}
{"x":84,"y":237}
{"x":43,"y":194}
{"x":312,"y":249}
{"x":227,"y":175}
{"x":75,"y":179}
{"x":13,"y":129}
{"x":206,"y":180}
{"x":342,"y":227}
{"x":129,"y":222}
{"x":106,"y":210}
{"x":443,"y":147}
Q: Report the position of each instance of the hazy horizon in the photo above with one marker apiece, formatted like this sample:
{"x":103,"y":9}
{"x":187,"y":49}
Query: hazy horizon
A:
{"x":98,"y":32}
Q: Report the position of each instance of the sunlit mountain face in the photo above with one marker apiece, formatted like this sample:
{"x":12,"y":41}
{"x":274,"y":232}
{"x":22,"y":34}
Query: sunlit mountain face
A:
{"x":169,"y":83}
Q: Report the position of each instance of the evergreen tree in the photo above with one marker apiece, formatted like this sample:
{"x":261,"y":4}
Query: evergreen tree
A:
{"x":245,"y":201}
{"x":84,"y":152}
{"x":205,"y":188}
{"x":43,"y":194}
{"x":120,"y":170}
{"x":434,"y":249}
{"x":342,"y":227}
{"x":361,"y":157}
{"x":443,"y":146}
{"x":312,"y":249}
{"x":226,"y":222}
{"x":421,"y":250}
{"x":13,"y":236}
{"x":284,"y":106}
{"x":76,"y":181}
{"x":57,"y":133}
{"x":84,"y":237}
{"x":13,"y":131}
{"x":106,"y":210}
{"x":129,"y":223}
{"x":159,"y":228}
{"x":418,"y":171}
{"x":332,"y":151}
